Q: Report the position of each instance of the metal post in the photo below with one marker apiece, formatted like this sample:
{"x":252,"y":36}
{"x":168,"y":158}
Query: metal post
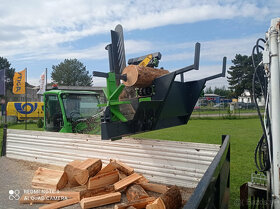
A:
{"x":25,"y":99}
{"x":5,"y":96}
{"x":3,"y":152}
{"x":275,"y":104}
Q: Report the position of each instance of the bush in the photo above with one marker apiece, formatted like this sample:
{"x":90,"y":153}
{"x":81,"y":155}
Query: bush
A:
{"x":40,"y":123}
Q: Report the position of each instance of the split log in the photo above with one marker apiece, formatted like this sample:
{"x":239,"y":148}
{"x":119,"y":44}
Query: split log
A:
{"x":45,"y":178}
{"x":157,"y":204}
{"x":140,"y":76}
{"x":108,"y":168}
{"x":60,"y":204}
{"x":103,"y":180}
{"x":126,"y":181}
{"x":95,"y":192}
{"x":138,"y":204}
{"x":86,"y":169}
{"x":69,"y":170}
{"x":48,"y":197}
{"x":122,"y":175}
{"x":131,"y":207}
{"x":123,"y":167}
{"x":159,"y":188}
{"x":172,"y":198}
{"x":100,"y":200}
{"x":135,"y":192}
{"x":142,"y":180}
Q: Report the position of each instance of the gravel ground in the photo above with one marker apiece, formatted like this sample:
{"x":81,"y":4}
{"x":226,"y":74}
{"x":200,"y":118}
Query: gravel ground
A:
{"x":16,"y":176}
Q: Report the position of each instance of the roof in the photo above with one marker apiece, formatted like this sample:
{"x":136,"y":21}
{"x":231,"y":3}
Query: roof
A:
{"x":57,"y":91}
{"x":78,"y":88}
{"x":211,"y":95}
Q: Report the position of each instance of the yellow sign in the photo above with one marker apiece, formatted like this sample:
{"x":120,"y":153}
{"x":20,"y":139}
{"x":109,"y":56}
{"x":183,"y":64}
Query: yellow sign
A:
{"x":19,"y":82}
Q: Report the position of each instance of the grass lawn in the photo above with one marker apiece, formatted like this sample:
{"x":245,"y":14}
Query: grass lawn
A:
{"x":244,"y":135}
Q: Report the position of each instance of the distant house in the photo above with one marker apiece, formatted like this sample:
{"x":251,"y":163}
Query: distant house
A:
{"x":245,"y":97}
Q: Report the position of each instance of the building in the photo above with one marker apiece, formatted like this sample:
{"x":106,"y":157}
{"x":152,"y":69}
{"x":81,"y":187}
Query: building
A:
{"x":246,"y":98}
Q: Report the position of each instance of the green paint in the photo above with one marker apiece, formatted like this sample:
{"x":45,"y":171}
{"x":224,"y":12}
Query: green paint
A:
{"x":112,"y":93}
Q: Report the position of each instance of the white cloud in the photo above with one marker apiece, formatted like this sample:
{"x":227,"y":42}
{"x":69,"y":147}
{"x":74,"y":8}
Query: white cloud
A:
{"x":40,"y":26}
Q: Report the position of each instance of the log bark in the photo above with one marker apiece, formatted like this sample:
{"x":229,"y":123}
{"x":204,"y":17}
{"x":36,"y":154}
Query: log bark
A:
{"x":140,"y":76}
{"x":172,"y":198}
{"x":135,"y":192}
{"x":86,"y":169}
{"x":45,"y":178}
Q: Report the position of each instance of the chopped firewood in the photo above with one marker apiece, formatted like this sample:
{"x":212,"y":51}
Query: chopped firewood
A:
{"x":95,"y":192}
{"x":172,"y":198}
{"x":103,"y":180}
{"x":159,"y":188}
{"x":131,"y":207}
{"x":157,"y":204}
{"x":86,"y":169}
{"x":45,"y":178}
{"x":109,"y":167}
{"x":60,"y":204}
{"x":126,"y":181}
{"x":123,"y":167}
{"x":138,"y":204}
{"x":100,"y":200}
{"x":48,"y":197}
{"x":142,"y":180}
{"x":69,"y":170}
{"x":135,"y":192}
{"x":122,"y":175}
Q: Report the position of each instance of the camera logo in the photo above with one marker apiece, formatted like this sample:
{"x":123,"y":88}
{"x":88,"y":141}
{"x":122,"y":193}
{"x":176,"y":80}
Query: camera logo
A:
{"x":14,"y":194}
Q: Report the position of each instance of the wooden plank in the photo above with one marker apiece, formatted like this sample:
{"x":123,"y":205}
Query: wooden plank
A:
{"x":157,"y":204}
{"x":159,"y":188}
{"x":103,"y":180}
{"x":138,"y":204}
{"x":100,"y":200}
{"x":60,"y":204}
{"x":45,"y":178}
{"x":86,"y":169}
{"x":48,"y":197}
{"x":126,"y":181}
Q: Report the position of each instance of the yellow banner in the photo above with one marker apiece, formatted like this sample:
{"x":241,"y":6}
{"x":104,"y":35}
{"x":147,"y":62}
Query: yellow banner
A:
{"x":19,"y":82}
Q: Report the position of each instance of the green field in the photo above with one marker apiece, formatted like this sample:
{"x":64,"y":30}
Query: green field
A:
{"x":244,"y":135}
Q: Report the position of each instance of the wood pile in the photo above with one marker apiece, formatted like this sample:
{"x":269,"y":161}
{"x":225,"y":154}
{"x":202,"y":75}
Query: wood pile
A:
{"x":87,"y":183}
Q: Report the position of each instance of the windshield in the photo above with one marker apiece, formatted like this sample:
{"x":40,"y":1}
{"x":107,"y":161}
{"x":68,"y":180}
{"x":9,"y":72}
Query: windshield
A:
{"x":80,"y":106}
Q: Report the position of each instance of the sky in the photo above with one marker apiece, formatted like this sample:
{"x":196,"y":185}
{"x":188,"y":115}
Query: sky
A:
{"x":39,"y":34}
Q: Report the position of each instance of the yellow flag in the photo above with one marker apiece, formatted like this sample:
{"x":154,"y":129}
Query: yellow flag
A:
{"x":19,"y":82}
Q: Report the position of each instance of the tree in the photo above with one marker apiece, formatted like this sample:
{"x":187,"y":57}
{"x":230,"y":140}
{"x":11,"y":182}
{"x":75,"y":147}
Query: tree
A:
{"x":223,"y":92}
{"x":71,"y":72}
{"x":208,"y":90}
{"x":241,"y":75}
{"x":5,"y":64}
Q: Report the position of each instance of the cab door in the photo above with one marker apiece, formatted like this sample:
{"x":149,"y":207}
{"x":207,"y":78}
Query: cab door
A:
{"x":53,"y":115}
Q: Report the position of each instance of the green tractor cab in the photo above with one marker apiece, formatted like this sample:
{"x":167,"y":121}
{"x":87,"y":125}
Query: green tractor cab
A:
{"x":70,"y":111}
